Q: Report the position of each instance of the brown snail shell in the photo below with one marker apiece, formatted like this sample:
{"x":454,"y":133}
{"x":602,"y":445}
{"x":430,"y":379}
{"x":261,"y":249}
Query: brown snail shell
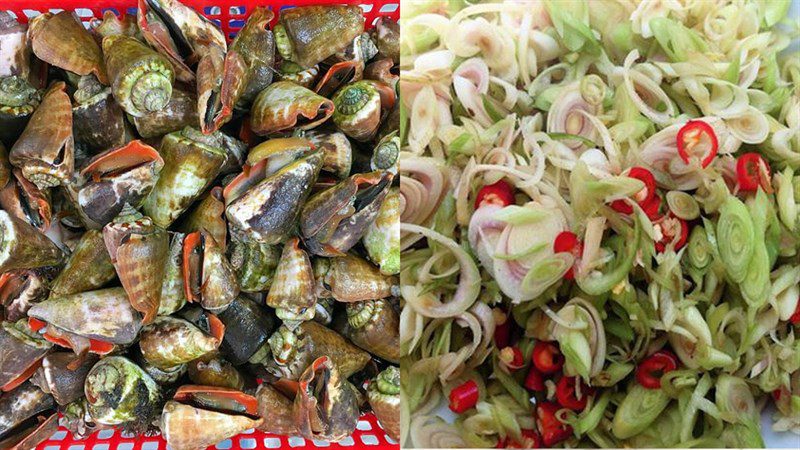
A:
{"x":201,"y":416}
{"x":21,"y":351}
{"x":98,"y":121}
{"x":23,"y":246}
{"x":248,"y":65}
{"x":307,"y":35}
{"x":24,"y":200}
{"x":189,"y":168}
{"x":292,"y":293}
{"x":138,"y":249}
{"x":104,"y":314}
{"x":62,"y":41}
{"x":352,"y":278}
{"x":170,"y":341}
{"x":26,"y":417}
{"x":334,"y":220}
{"x":120,"y":176}
{"x":374,"y":326}
{"x":180,"y":112}
{"x":58,"y":378}
{"x":284,"y":105}
{"x":325,"y":406}
{"x":248,"y":325}
{"x":268,"y":210}
{"x":207,"y":275}
{"x":215,"y":371}
{"x":209,"y":215}
{"x":20,"y":289}
{"x":45,"y":150}
{"x":277,"y":411}
{"x":337,"y":150}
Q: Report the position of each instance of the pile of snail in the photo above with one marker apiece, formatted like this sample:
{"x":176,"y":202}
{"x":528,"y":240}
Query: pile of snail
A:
{"x":198,"y":237}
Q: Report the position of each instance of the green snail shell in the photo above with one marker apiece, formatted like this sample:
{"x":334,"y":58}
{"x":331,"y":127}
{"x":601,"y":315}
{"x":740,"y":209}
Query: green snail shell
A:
{"x":359,"y":314}
{"x":17,"y":95}
{"x":284,"y":344}
{"x":119,"y":391}
{"x":357,"y":110}
{"x":141,"y":78}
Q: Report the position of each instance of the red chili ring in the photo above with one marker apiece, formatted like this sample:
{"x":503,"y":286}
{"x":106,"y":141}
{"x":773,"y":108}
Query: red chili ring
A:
{"x":553,"y":430}
{"x":645,"y":176}
{"x":667,"y":238}
{"x":700,"y":127}
{"x":500,"y":193}
{"x":567,"y":241}
{"x":566,"y":393}
{"x":752,"y":171}
{"x":650,"y":370}
{"x":464,"y":396}
{"x":547,"y":357}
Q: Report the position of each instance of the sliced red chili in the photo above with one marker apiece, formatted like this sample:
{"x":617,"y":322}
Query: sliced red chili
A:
{"x":530,"y":439}
{"x":795,"y":317}
{"x":464,"y":396}
{"x":752,"y":171}
{"x":567,"y":393}
{"x":691,"y":135}
{"x":547,"y":357}
{"x":553,"y":430}
{"x":534,"y":381}
{"x":671,"y":227}
{"x":642,"y":197}
{"x":567,"y":241}
{"x":500,"y":193}
{"x":651,"y":207}
{"x":650,"y":370}
{"x":512,"y":357}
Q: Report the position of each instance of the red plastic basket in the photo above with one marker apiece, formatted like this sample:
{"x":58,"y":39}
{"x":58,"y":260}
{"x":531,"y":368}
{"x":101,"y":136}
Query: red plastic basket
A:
{"x":230,"y":15}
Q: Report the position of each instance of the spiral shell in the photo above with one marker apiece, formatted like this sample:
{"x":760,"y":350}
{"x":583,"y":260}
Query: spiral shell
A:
{"x":268,"y":210}
{"x":105,"y":315}
{"x":141,"y":79}
{"x":23,"y":246}
{"x":169,"y":342}
{"x":308,"y":35}
{"x":138,"y":249}
{"x":360,"y":106}
{"x":383,"y":394}
{"x":382,"y":238}
{"x":18,"y":101}
{"x":21,"y":351}
{"x":352,"y":278}
{"x":337,"y":150}
{"x":99,"y":122}
{"x":89,"y":267}
{"x":189,"y":167}
{"x":120,"y":176}
{"x":45,"y":149}
{"x":374,"y":326}
{"x":325,"y":406}
{"x":277,"y":411}
{"x":334,"y":220}
{"x":62,"y":41}
{"x":284,"y":105}
{"x":292,"y":293}
{"x":118,"y":392}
